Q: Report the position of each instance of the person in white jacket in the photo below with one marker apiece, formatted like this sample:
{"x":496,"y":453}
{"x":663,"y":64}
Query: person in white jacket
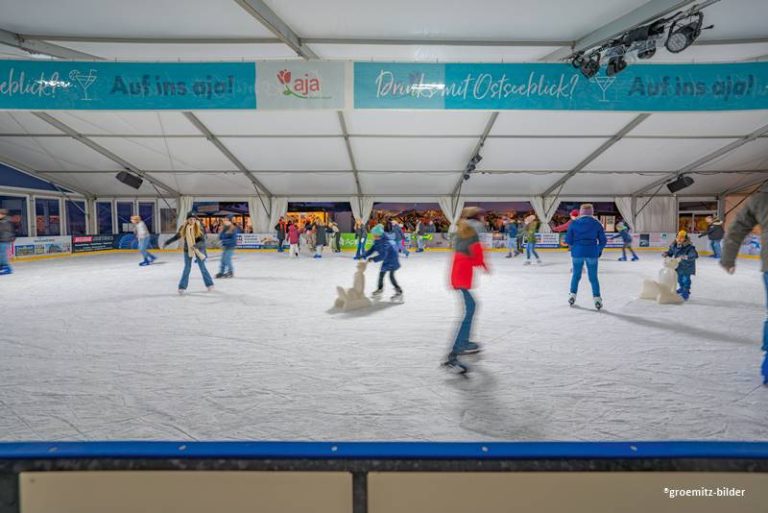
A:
{"x":143,"y":239}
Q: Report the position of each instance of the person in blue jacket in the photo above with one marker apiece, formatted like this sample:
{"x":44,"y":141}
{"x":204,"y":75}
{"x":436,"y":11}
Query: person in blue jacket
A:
{"x":228,"y":238}
{"x":683,"y":249}
{"x":586,"y":238}
{"x":626,"y":237}
{"x":386,"y":253}
{"x":511,"y":229}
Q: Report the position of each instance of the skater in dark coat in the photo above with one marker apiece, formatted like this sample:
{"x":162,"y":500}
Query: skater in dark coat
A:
{"x":321,"y":238}
{"x":510,"y":230}
{"x":468,"y":254}
{"x":228,"y":238}
{"x":282,"y":230}
{"x":386,"y":253}
{"x":192,"y":235}
{"x":715,"y":232}
{"x":626,"y":238}
{"x":586,"y":238}
{"x":7,"y":236}
{"x":683,"y":249}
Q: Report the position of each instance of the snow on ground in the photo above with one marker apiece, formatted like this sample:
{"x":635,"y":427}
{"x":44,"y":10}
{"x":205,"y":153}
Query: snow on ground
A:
{"x":95,"y":348}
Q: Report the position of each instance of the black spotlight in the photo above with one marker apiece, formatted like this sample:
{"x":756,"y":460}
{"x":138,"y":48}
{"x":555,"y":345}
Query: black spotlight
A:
{"x":589,"y":66}
{"x":466,"y":176}
{"x":682,"y":36}
{"x":615,"y":65}
{"x":679,"y":184}
{"x":476,"y":159}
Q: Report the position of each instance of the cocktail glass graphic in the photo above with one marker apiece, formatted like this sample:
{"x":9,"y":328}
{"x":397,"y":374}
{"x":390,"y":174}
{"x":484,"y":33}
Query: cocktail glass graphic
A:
{"x":85,"y":80}
{"x":603,"y":83}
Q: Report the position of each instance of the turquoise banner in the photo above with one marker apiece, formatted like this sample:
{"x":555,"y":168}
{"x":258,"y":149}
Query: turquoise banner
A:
{"x":640,"y":87}
{"x":66,"y":85}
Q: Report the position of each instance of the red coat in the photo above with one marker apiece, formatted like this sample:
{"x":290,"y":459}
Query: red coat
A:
{"x":293,"y":234}
{"x":462,"y":269}
{"x":563,"y":227}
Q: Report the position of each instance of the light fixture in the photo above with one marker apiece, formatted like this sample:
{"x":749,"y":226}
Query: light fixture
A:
{"x":679,"y":183}
{"x":682,"y":36}
{"x":476,"y":159}
{"x":589,"y":65}
{"x":615,"y":65}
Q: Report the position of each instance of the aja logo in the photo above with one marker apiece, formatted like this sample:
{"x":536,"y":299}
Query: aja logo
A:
{"x":307,"y":87}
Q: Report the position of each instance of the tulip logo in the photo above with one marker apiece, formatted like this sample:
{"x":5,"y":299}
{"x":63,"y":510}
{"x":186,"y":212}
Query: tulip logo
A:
{"x":307,"y":87}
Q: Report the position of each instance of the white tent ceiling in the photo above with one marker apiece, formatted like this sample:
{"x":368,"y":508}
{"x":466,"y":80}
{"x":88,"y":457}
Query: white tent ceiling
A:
{"x":392,"y":152}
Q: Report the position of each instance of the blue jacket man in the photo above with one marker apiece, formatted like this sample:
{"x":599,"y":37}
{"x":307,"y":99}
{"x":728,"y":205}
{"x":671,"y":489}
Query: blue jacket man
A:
{"x":586,"y":238}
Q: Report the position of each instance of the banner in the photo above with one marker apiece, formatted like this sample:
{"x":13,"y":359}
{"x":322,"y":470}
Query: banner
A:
{"x":258,"y":241}
{"x":560,"y":86}
{"x":292,"y":85}
{"x":90,"y":243}
{"x":35,"y":246}
{"x":68,"y":85}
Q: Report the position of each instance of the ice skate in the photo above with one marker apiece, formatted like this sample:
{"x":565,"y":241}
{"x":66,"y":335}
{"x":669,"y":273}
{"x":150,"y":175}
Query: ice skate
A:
{"x":181,"y":292}
{"x":397,"y":297}
{"x":509,"y":255}
{"x":635,"y":258}
{"x":144,"y":263}
{"x":376,"y":295}
{"x":622,"y":259}
{"x":453,"y":365}
{"x":5,"y":270}
{"x":218,"y":275}
{"x":598,"y":303}
{"x":571,"y":299}
{"x":471,"y":348}
{"x":230,"y":274}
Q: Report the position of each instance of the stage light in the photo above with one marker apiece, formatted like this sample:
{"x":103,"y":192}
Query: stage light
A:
{"x":476,"y":159}
{"x":466,"y":176}
{"x":679,"y":184}
{"x":682,"y":36}
{"x":589,"y":66}
{"x":615,"y":65}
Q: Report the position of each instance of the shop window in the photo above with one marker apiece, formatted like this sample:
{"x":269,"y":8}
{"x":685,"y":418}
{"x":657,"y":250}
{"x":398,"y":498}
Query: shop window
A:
{"x":47,"y":216}
{"x":17,"y":213}
{"x":76,"y":218}
{"x":104,"y":216}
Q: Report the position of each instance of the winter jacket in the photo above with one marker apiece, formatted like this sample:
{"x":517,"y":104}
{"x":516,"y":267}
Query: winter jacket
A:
{"x":529,"y":230}
{"x":624,"y":234}
{"x":398,"y":232}
{"x":687,"y":250}
{"x":386,"y":253}
{"x":228,"y":237}
{"x":586,"y":237}
{"x":431,"y":228}
{"x":511,"y":230}
{"x":754,"y":213}
{"x":421,"y":229}
{"x":715,"y":231}
{"x":281,"y":228}
{"x":360,"y":232}
{"x":7,"y":233}
{"x":199,"y":240}
{"x":468,"y":254}
{"x":293,"y":234}
{"x":563,"y":227}
{"x":320,"y":235}
{"x":140,"y":230}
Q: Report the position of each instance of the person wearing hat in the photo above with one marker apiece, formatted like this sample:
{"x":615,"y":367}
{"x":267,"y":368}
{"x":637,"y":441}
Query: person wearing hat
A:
{"x":683,"y":249}
{"x":193,"y":236}
{"x":386,"y":253}
{"x":7,"y":236}
{"x":715,"y":232}
{"x":586,"y":238}
{"x":228,"y":238}
{"x":143,"y":239}
{"x":626,"y":238}
{"x":529,"y":230}
{"x":564,"y":227}
{"x":468,"y":254}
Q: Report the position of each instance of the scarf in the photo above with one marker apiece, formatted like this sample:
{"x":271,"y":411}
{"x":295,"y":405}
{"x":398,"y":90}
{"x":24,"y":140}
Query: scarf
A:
{"x":190,"y":234}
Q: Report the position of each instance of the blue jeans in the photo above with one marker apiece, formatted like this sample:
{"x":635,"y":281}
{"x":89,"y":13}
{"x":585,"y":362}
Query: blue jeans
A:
{"x":144,"y":249}
{"x":625,"y":247}
{"x":511,"y":244}
{"x":462,"y":336}
{"x":4,"y":247}
{"x":226,"y":261}
{"x":420,"y":242}
{"x":360,"y":247}
{"x":188,"y":267}
{"x":530,"y":247}
{"x":715,"y":248}
{"x":684,"y":280}
{"x":578,"y":268}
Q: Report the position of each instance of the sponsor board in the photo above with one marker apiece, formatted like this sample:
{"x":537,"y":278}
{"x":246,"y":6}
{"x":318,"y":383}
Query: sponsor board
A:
{"x":35,"y":246}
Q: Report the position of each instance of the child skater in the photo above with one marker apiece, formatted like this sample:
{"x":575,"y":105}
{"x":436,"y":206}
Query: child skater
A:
{"x":468,"y":254}
{"x":386,"y":253}
{"x":626,"y":237}
{"x":530,"y":229}
{"x":684,"y":249}
{"x":193,"y":236}
{"x":293,"y":238}
{"x":228,"y":238}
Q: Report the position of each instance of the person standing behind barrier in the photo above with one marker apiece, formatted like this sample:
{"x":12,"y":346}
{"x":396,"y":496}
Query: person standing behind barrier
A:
{"x":142,"y":239}
{"x":586,"y":238}
{"x":281,"y":228}
{"x":529,"y":230}
{"x":192,"y":235}
{"x":361,"y":235}
{"x":715,"y":232}
{"x":7,"y":236}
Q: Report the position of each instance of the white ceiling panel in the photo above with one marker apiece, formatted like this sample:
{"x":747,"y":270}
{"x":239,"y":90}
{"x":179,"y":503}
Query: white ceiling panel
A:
{"x":513,"y":184}
{"x":208,"y":183}
{"x":184,"y":52}
{"x":271,"y":122}
{"x":432,"y":53}
{"x":408,"y":183}
{"x":167,"y":154}
{"x":412,"y":154}
{"x":735,"y":123}
{"x":539,"y":122}
{"x":18,"y":122}
{"x":382,"y":122}
{"x":102,"y":184}
{"x":290,"y":154}
{"x":308,"y":184}
{"x":127,"y":123}
{"x":721,"y":182}
{"x":601,"y":183}
{"x":745,"y":18}
{"x":654,"y":154}
{"x":751,"y":156}
{"x":146,"y":18}
{"x":54,"y":154}
{"x":536,"y":154}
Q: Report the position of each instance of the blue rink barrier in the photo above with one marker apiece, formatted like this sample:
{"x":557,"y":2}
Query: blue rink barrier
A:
{"x":384,"y":450}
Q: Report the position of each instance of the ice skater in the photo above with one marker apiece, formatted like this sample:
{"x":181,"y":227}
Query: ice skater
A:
{"x":510,"y":230}
{"x":335,"y":234}
{"x":361,"y":237}
{"x":468,"y":254}
{"x":754,"y":213}
{"x":320,"y":238}
{"x":586,"y":238}
{"x":228,"y":238}
{"x":386,"y":253}
{"x":529,"y":230}
{"x":193,"y":237}
{"x":626,"y":238}
{"x":397,"y":231}
{"x":683,"y":249}
{"x":7,"y":236}
{"x":420,"y":231}
{"x":293,"y":238}
{"x":564,"y":227}
{"x":143,"y":239}
{"x":281,"y":228}
{"x":715,"y":232}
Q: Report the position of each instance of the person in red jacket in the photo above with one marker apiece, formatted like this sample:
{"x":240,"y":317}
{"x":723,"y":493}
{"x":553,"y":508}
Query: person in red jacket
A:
{"x":564,"y":227}
{"x":468,"y":254}
{"x":293,"y":238}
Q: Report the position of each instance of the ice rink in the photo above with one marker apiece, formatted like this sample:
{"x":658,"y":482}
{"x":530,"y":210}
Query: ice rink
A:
{"x":95,"y":348}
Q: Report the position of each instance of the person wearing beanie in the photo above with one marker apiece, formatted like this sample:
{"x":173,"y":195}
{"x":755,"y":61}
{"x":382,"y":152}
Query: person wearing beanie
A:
{"x":586,"y":238}
{"x":510,"y":230}
{"x":683,"y":249}
{"x":142,"y":239}
{"x":228,"y":238}
{"x":386,"y":253}
{"x":7,"y":236}
{"x":467,"y":254}
{"x":529,"y":231}
{"x":715,"y":232}
{"x":192,"y":234}
{"x":626,"y":238}
{"x":564,"y":227}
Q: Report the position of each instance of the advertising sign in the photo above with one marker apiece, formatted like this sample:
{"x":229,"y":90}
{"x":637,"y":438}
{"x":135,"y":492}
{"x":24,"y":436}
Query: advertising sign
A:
{"x":35,"y":246}
{"x":301,"y":85}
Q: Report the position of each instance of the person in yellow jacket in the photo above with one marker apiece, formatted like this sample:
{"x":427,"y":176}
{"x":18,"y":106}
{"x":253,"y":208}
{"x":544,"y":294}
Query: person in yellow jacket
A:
{"x":193,"y":236}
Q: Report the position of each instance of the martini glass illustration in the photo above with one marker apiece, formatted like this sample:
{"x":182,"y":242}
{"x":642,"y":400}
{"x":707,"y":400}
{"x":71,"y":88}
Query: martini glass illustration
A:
{"x":604,"y":83}
{"x":84,"y":80}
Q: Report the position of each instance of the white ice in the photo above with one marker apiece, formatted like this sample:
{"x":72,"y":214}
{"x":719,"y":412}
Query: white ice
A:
{"x":95,"y":348}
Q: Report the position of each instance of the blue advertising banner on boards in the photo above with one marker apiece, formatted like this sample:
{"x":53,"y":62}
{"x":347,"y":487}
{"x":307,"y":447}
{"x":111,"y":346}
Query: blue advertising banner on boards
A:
{"x":543,"y":86}
{"x":67,"y":85}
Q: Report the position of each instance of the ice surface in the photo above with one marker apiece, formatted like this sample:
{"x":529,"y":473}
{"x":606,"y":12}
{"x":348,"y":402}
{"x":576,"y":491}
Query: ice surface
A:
{"x":95,"y":348}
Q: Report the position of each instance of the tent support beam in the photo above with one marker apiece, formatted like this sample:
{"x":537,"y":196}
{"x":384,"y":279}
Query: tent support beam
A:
{"x":351,"y":155}
{"x":37,"y":47}
{"x":478,"y":146}
{"x":267,"y":17}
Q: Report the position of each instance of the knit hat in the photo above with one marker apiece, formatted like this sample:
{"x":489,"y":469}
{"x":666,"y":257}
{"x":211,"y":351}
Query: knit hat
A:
{"x":377,"y":230}
{"x":587,"y":210}
{"x":575,"y":212}
{"x":682,"y":234}
{"x":470,"y":212}
{"x":191,"y":214}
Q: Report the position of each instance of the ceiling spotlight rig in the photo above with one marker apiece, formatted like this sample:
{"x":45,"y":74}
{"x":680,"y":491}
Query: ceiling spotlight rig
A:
{"x":681,"y":30}
{"x":472,"y":165}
